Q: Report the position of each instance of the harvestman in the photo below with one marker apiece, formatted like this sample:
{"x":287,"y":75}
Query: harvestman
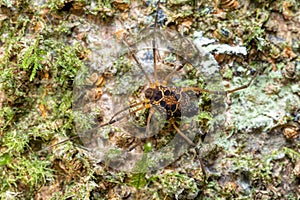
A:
{"x":158,"y":96}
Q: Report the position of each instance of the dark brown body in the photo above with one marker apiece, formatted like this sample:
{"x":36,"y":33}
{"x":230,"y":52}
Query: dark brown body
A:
{"x":172,"y":99}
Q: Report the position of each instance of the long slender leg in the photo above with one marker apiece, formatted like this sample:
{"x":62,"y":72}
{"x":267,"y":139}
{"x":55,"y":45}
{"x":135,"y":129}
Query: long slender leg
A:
{"x":152,"y":111}
{"x":188,"y":140}
{"x":61,"y":142}
{"x":184,"y":89}
{"x":178,"y":54}
{"x":102,"y":125}
{"x":126,"y":108}
{"x":120,"y":118}
{"x":154,"y":44}
{"x":220,"y":92}
{"x":202,"y":168}
{"x":243,"y":86}
{"x":204,"y":174}
{"x":172,"y":73}
{"x":137,"y":61}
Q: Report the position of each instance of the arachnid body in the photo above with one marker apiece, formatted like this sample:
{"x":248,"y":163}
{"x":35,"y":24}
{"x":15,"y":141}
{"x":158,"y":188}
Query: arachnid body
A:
{"x":162,"y":90}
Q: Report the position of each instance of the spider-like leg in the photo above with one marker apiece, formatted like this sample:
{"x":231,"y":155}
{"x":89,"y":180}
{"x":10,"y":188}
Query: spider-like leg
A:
{"x":122,"y":117}
{"x":151,"y":113}
{"x":172,"y":73}
{"x":154,"y":49}
{"x":185,"y":89}
{"x":111,"y":121}
{"x":188,"y":140}
{"x":243,"y":86}
{"x":136,"y":60}
{"x":54,"y":145}
{"x":220,"y":92}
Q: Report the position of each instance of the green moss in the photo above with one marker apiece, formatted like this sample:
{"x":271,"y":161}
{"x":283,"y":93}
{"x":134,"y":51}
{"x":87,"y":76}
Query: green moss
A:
{"x":28,"y":172}
{"x":31,"y":59}
{"x":36,"y":79}
{"x":178,"y":185}
{"x":37,"y":72}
